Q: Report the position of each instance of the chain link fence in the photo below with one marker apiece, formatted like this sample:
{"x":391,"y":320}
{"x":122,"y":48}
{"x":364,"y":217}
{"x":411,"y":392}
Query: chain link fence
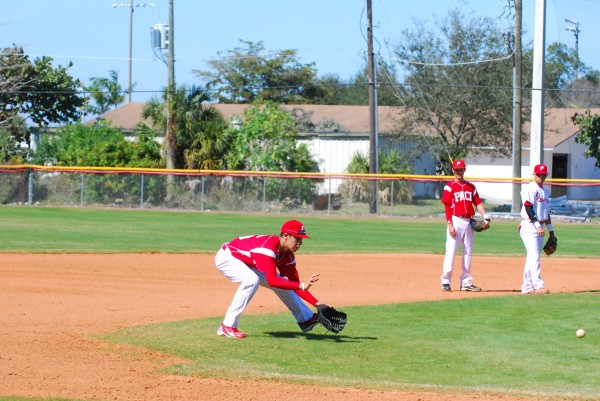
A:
{"x":228,"y":191}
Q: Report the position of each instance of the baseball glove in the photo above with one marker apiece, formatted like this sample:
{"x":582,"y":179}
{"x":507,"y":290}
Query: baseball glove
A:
{"x":332,"y":319}
{"x":551,"y":245}
{"x":479,"y":225}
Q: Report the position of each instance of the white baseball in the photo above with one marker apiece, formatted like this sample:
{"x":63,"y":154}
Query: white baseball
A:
{"x":580,"y":333}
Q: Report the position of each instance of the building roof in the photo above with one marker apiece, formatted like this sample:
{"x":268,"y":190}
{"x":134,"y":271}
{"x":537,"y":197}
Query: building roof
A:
{"x":355,"y":118}
{"x":558,"y":126}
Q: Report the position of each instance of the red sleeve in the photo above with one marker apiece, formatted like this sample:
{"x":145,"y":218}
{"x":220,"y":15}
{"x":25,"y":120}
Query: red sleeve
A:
{"x":267,"y":265}
{"x":289,"y":270}
{"x":448,"y":211}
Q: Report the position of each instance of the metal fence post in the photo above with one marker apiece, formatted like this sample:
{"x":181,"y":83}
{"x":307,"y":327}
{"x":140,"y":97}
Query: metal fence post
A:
{"x":81,"y":204}
{"x":202,"y":195}
{"x":30,"y":198}
{"x":264,"y":194}
{"x":392,"y":199}
{"x":329,"y":197}
{"x":142,"y":193}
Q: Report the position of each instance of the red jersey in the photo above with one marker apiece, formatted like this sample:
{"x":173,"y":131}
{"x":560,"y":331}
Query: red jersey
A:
{"x":459,"y":198}
{"x":261,"y":252}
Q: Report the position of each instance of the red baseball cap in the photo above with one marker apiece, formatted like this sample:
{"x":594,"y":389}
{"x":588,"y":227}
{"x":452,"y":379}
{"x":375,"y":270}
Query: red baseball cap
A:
{"x":458,"y":164}
{"x":540,"y":169}
{"x":295,"y":228}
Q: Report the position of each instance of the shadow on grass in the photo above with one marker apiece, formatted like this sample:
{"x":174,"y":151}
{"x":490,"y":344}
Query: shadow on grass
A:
{"x":340,"y":338}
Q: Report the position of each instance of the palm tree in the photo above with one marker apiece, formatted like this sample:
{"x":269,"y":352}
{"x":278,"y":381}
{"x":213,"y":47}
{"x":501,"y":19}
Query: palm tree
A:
{"x":202,"y":132}
{"x":390,"y":162}
{"x":106,"y":92}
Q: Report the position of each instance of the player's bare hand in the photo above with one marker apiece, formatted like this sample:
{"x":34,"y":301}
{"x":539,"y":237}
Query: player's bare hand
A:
{"x":540,"y":231}
{"x":313,"y":279}
{"x":452,"y":231}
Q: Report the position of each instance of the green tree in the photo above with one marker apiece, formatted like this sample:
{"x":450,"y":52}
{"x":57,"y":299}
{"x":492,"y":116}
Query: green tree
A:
{"x":249,"y":74}
{"x":582,"y":93}
{"x":589,"y":133}
{"x":267,"y":141}
{"x":39,"y":92}
{"x":36,"y":92}
{"x":106,"y":93}
{"x":569,"y":81}
{"x":355,"y":91}
{"x":99,"y":145}
{"x":389,"y":162}
{"x":559,"y":70}
{"x":202,"y":135}
{"x":452,"y":90}
{"x":11,"y":145}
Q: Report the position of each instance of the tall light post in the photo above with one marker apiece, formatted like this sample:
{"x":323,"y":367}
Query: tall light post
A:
{"x":574,"y":27}
{"x":131,"y":5}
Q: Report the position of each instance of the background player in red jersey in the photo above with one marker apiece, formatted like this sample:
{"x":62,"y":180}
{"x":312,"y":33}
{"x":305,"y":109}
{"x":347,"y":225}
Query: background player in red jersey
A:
{"x":267,"y":260}
{"x":459,"y":196}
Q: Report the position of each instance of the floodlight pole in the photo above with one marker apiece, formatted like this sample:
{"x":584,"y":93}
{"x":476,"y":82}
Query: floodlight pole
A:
{"x":575,"y":29}
{"x":130,"y":6}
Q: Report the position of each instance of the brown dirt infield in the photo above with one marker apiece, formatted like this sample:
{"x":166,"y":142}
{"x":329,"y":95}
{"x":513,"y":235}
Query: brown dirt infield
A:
{"x":52,"y":306}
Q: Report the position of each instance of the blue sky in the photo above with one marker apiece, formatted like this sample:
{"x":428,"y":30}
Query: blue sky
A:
{"x":94,"y":35}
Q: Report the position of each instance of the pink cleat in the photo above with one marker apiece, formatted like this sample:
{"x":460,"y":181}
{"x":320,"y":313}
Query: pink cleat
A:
{"x":230,"y":332}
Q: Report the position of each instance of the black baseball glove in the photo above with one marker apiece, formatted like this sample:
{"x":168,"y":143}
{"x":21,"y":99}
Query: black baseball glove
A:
{"x":479,"y":225}
{"x":551,"y":245}
{"x":332,"y":319}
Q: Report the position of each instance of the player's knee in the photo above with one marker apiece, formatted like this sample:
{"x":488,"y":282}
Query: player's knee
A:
{"x":253,"y":281}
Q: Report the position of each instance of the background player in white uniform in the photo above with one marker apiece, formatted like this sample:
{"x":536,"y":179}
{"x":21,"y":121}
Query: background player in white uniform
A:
{"x":267,"y":260}
{"x":535,"y":215}
{"x":459,"y":196}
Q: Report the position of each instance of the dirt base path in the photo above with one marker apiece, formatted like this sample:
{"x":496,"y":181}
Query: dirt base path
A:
{"x":51,"y":306}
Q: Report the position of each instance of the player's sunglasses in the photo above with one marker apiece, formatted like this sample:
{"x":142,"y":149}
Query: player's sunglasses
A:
{"x":542,"y":175}
{"x":459,"y":169}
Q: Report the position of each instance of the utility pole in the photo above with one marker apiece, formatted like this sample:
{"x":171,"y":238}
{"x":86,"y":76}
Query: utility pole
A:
{"x":171,"y":115}
{"x":172,"y":123}
{"x":517,"y":105}
{"x":373,"y":190}
{"x":575,"y":29}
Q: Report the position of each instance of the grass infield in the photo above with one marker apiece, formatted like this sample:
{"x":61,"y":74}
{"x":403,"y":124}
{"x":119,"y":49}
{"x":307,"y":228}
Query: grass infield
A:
{"x":517,"y":345}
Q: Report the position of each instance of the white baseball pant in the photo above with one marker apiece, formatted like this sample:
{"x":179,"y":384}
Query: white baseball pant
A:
{"x":532,"y":278}
{"x":465,"y":238}
{"x":249,"y":279}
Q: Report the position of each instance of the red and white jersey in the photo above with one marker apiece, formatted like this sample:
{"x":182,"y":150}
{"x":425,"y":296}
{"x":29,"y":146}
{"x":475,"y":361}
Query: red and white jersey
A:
{"x":539,"y":198}
{"x":460,"y":197}
{"x":261,"y":252}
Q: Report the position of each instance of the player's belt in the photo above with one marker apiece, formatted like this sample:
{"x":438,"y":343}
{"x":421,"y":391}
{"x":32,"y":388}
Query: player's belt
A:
{"x":539,"y":221}
{"x":464,"y":216}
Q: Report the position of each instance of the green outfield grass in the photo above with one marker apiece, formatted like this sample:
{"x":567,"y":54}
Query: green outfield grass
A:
{"x":515,"y":345}
{"x":58,"y":230}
